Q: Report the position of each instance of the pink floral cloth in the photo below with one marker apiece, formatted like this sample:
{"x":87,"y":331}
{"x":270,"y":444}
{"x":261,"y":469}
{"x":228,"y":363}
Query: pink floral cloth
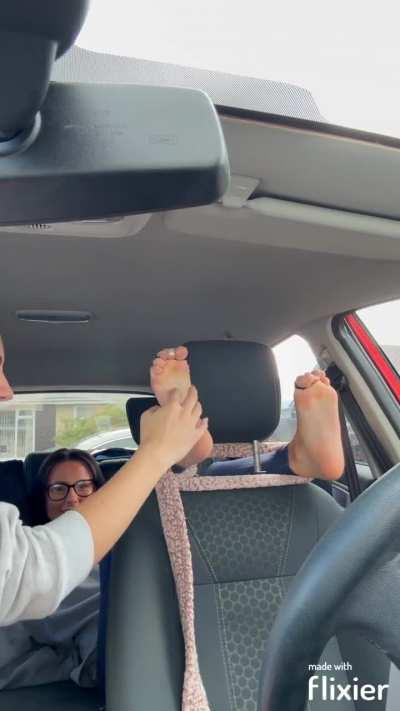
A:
{"x":194,"y":697}
{"x":243,"y":449}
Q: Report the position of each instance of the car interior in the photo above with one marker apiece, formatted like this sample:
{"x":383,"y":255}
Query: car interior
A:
{"x":134,"y":216}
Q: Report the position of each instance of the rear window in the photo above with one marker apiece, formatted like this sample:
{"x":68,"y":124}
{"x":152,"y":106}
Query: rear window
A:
{"x":42,"y":422}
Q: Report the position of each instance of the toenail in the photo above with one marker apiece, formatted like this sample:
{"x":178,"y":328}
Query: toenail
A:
{"x":171,"y":352}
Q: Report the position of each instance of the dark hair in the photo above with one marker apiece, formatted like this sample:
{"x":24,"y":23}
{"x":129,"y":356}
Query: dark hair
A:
{"x":47,"y":466}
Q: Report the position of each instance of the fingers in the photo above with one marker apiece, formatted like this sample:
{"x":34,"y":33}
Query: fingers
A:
{"x":190,"y":404}
{"x":173,"y":396}
{"x":190,"y":399}
{"x":197,"y":410}
{"x":145,"y":416}
{"x":202,"y":425}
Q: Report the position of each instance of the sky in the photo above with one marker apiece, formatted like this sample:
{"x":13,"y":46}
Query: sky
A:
{"x":293,"y":357}
{"x":346,"y":53}
{"x":383,"y":321}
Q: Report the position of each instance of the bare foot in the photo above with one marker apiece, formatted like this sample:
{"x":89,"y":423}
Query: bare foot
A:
{"x":316,"y":449}
{"x":170,"y":370}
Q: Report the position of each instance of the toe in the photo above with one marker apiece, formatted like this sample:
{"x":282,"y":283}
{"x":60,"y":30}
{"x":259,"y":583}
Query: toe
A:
{"x":159,"y":363}
{"x":321,"y":375}
{"x":157,"y":367}
{"x":166,"y":353}
{"x":318,"y":373}
{"x":306,"y":380}
{"x":181,"y":353}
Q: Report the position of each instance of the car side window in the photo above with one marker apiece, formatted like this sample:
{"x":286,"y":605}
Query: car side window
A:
{"x":293,"y":357}
{"x":371,"y":337}
{"x":375,"y":330}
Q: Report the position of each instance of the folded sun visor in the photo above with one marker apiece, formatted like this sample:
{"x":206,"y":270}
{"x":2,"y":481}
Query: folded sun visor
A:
{"x":104,"y":150}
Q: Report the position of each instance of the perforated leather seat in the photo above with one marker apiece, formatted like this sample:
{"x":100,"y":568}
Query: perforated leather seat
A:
{"x":246,"y":547}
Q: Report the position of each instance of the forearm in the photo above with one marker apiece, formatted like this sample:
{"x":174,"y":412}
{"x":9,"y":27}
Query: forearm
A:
{"x":112,"y":508}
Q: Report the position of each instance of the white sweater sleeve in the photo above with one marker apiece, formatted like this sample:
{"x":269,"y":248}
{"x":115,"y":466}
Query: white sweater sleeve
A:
{"x":40,"y":566}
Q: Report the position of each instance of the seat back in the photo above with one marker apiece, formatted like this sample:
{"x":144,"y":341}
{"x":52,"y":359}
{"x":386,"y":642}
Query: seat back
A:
{"x":239,"y":549}
{"x":14,"y":487}
{"x":175,"y":525}
{"x":245,"y":545}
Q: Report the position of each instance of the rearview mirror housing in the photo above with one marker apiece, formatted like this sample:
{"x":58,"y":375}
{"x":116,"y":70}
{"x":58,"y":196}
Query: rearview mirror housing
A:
{"x":101,"y":150}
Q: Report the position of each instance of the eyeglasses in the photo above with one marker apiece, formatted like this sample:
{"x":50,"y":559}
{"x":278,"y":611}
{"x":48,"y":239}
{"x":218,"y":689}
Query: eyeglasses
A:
{"x":60,"y":491}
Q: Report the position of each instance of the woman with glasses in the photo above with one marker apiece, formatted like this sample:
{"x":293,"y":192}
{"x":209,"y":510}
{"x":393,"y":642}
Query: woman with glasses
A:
{"x":63,"y":645}
{"x":65,"y":479}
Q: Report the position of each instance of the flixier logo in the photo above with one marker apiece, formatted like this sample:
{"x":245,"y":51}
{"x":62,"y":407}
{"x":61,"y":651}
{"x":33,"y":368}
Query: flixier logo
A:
{"x":327,"y":689}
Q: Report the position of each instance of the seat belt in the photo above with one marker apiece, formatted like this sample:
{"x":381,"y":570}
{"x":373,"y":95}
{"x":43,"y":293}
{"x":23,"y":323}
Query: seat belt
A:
{"x":339,"y":383}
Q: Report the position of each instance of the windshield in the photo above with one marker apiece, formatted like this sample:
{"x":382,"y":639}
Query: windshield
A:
{"x":347,"y":55}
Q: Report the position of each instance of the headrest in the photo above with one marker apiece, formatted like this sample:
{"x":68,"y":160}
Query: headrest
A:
{"x":238,"y":387}
{"x":35,"y":499}
{"x":14,"y":487}
{"x":32,"y":464}
{"x":135,"y":407}
{"x":109,"y":467}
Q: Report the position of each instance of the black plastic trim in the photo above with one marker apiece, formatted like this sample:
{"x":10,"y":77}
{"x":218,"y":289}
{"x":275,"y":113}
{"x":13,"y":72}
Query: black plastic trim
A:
{"x":54,"y":316}
{"x":309,"y":125}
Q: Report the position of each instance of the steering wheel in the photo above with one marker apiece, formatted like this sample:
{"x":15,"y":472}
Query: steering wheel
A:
{"x":342,"y":584}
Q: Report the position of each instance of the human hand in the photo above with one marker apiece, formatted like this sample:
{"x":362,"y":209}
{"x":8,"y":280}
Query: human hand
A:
{"x":173,"y":429}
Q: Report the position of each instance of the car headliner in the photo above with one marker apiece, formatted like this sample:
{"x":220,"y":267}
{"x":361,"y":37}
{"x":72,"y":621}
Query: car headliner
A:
{"x":211,"y":272}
